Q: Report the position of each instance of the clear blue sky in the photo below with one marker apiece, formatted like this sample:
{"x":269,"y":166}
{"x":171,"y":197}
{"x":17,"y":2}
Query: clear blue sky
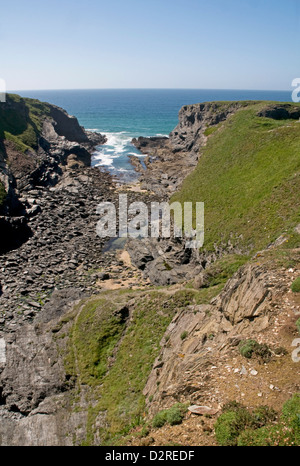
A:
{"x":225,"y":44}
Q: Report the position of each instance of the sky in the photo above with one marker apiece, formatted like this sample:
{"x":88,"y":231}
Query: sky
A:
{"x":193,"y":44}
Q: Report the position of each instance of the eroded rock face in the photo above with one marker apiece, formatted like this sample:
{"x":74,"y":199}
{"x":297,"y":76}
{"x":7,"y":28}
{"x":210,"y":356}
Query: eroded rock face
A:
{"x":199,"y":335}
{"x":281,"y":112}
{"x":245,"y":297}
{"x":62,"y":142}
{"x":188,"y":136}
{"x":169,"y":160}
{"x":35,"y":405}
{"x":163,"y":261}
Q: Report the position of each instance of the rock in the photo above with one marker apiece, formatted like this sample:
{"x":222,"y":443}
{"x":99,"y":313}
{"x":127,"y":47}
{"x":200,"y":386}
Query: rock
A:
{"x":200,"y":282}
{"x":60,"y":302}
{"x":202,"y":410}
{"x":281,"y":112}
{"x":103,"y":276}
{"x":212,"y":331}
{"x":243,"y":371}
{"x":163,"y":261}
{"x":2,"y":351}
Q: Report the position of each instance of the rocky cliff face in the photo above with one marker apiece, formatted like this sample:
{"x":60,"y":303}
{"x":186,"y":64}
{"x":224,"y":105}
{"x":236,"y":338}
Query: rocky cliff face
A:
{"x":36,"y":142}
{"x":43,"y":402}
{"x":189,"y":135}
{"x":170,"y":160}
{"x":200,"y":362}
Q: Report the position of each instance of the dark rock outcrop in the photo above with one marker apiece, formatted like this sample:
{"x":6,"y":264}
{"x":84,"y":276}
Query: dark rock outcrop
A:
{"x":188,"y":136}
{"x":55,"y":141}
{"x":281,"y":112}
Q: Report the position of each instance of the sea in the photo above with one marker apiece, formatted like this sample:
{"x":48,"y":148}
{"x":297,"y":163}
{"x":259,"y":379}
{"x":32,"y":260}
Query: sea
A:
{"x":124,"y":114}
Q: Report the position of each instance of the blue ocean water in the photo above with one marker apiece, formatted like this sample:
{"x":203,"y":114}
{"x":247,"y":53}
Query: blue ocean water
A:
{"x":122,"y":114}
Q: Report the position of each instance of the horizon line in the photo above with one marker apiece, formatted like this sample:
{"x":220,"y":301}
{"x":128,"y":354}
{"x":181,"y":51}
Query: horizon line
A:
{"x":148,"y":89}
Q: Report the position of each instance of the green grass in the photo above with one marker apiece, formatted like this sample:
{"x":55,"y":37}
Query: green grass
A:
{"x":210,"y":130}
{"x":296,"y":286}
{"x":172,"y":416}
{"x":93,"y":338}
{"x":98,"y":334}
{"x":285,"y":432}
{"x":248,"y":176}
{"x":21,"y":121}
{"x":222,"y":269}
{"x":240,"y":426}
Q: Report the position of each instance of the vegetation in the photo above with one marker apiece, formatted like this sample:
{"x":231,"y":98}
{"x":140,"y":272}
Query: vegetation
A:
{"x":285,"y":432}
{"x":235,"y":418}
{"x":210,"y":130}
{"x":248,"y":177}
{"x":184,"y":335}
{"x":100,"y":334}
{"x":261,"y":427}
{"x":296,"y":286}
{"x":21,"y":121}
{"x":249,"y":348}
{"x":222,"y":269}
{"x":170,"y":416}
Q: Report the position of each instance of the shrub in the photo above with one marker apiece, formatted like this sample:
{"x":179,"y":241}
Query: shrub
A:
{"x":263,"y":431}
{"x":184,"y":335}
{"x":263,"y":415}
{"x":231,"y":423}
{"x":249,"y":348}
{"x":171,"y":416}
{"x":291,"y":411}
{"x":296,"y":286}
{"x":298,"y":325}
{"x":272,"y":435}
{"x":160,"y":419}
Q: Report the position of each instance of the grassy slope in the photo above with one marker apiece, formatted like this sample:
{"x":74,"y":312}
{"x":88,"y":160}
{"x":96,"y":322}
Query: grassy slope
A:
{"x":248,"y":177}
{"x":98,"y":336}
{"x":256,"y":161}
{"x":21,"y":121}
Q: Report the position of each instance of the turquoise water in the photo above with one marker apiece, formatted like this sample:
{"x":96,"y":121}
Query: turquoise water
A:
{"x":124,"y":114}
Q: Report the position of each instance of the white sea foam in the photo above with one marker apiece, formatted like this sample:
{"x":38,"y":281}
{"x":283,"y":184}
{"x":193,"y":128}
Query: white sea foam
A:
{"x":113,"y":155}
{"x":117,"y":144}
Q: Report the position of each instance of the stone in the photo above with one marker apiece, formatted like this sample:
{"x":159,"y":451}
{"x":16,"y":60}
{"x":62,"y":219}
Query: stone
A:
{"x":2,"y":351}
{"x":202,"y":410}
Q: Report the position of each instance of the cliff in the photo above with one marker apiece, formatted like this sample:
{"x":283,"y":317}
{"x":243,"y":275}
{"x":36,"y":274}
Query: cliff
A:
{"x":37,"y":140}
{"x":92,"y":351}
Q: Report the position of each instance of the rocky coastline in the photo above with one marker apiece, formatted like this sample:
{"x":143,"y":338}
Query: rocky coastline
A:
{"x":170,"y":159}
{"x":55,"y":270}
